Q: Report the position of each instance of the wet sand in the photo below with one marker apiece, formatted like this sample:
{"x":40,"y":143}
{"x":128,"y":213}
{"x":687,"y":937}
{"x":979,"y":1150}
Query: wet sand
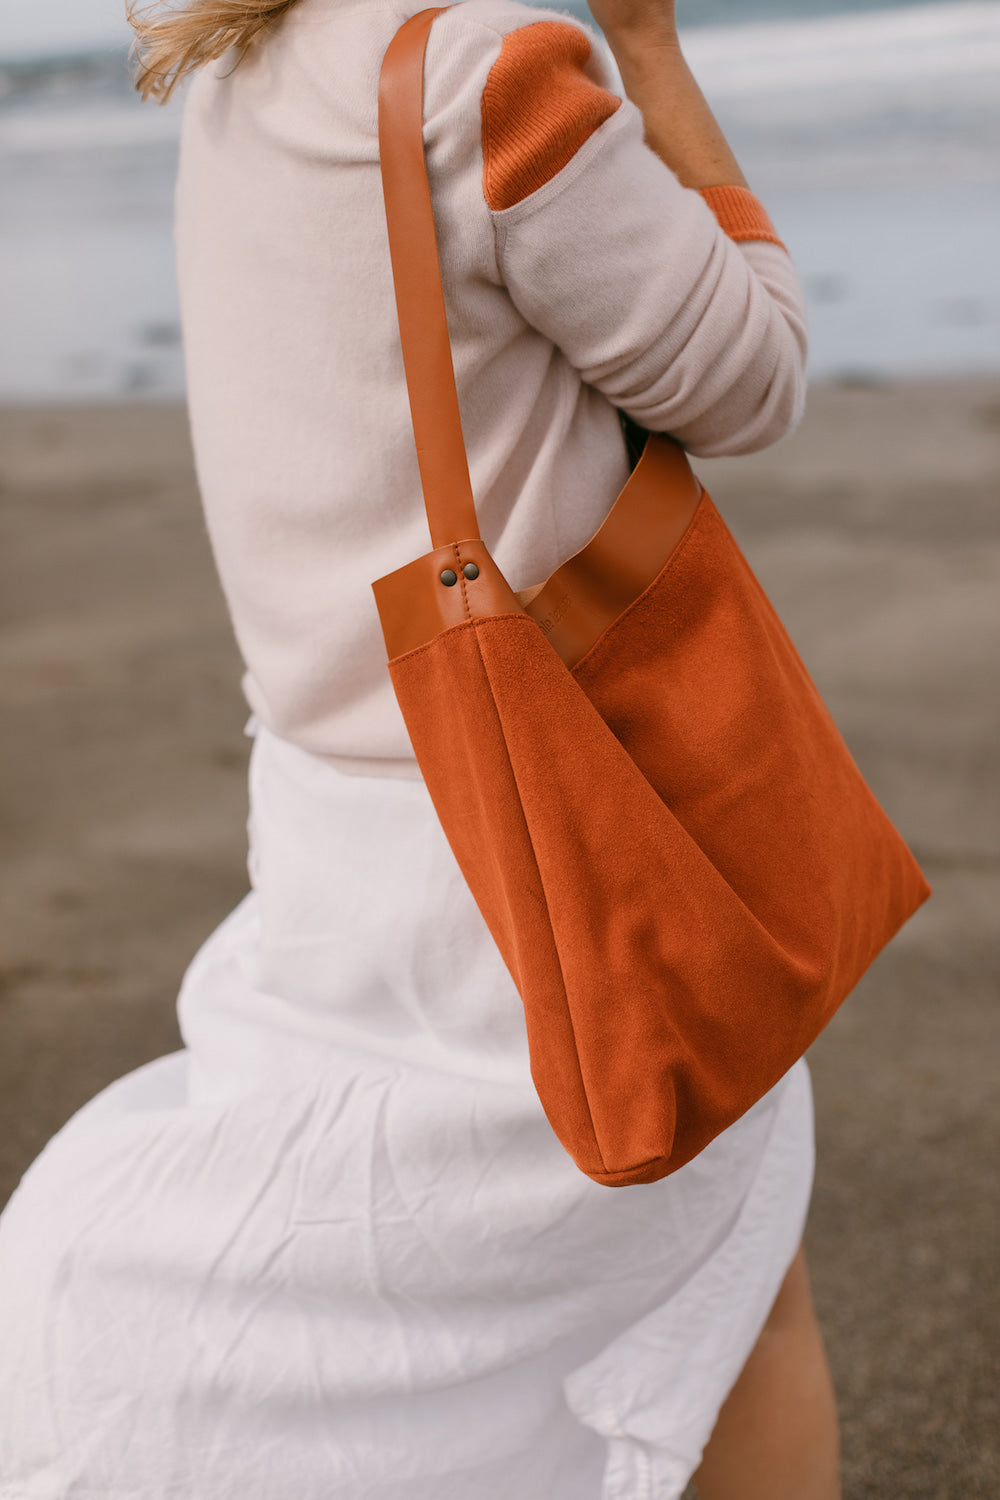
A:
{"x":876,"y":530}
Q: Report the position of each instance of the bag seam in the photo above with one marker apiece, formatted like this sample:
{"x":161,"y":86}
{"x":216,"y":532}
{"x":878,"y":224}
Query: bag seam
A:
{"x":534,"y":856}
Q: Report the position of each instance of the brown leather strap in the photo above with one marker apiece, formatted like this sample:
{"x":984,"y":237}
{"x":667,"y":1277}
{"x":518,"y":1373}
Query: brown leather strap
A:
{"x":416,"y":271}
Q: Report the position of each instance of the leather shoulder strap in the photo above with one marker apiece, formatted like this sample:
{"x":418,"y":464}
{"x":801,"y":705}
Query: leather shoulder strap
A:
{"x":416,"y":271}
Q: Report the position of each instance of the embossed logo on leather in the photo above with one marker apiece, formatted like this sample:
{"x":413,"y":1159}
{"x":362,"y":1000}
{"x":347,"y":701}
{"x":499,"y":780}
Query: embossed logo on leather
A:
{"x":552,"y":619}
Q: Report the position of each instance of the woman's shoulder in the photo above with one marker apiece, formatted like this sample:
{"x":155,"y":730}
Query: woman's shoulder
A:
{"x":503,"y":16}
{"x":528,"y":38}
{"x":531,"y":84}
{"x":492,"y":26}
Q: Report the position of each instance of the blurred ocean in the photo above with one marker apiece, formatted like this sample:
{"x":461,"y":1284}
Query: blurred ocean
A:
{"x":872,"y":135}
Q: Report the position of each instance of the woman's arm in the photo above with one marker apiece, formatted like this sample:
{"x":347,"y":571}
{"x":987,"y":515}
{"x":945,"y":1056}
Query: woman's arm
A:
{"x":679,"y":125}
{"x":677,"y":302}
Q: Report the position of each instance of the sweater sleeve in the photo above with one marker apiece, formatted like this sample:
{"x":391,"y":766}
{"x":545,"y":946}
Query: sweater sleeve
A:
{"x":683,"y":308}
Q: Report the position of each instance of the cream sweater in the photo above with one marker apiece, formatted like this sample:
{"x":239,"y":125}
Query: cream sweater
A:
{"x":579,"y":277}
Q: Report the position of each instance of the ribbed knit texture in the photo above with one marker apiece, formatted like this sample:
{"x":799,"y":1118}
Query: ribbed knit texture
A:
{"x":538,"y":109}
{"x":741,"y":214}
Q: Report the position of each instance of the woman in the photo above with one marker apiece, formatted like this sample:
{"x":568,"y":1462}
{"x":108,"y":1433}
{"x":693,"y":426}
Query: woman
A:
{"x":332,"y":1250}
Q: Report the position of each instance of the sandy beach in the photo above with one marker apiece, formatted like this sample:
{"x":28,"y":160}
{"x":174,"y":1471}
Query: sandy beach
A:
{"x":875,"y":529}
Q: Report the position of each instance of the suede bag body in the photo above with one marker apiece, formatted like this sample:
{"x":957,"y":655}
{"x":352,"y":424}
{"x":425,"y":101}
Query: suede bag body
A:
{"x":673,"y":849}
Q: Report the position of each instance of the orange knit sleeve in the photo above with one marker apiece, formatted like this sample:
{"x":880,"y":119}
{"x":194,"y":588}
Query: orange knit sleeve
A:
{"x":538,"y":108}
{"x":740,"y":213}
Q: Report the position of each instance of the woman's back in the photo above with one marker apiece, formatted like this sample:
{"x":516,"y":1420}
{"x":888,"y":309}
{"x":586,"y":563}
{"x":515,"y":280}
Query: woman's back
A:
{"x":299,"y":411}
{"x":332,"y":1249}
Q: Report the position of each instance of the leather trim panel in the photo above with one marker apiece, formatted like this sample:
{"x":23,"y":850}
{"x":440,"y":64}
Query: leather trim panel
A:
{"x":415,"y":606}
{"x":582,"y":597}
{"x":589,"y":591}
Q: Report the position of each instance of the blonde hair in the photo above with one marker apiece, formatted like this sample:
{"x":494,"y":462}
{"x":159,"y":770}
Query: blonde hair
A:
{"x":170,"y":43}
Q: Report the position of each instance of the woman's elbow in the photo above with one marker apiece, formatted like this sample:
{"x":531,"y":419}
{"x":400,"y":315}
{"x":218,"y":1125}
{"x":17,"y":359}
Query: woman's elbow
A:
{"x":780,"y":409}
{"x":764,"y":404}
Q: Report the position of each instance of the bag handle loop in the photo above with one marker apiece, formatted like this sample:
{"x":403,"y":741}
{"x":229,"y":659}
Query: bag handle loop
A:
{"x":416,"y":273}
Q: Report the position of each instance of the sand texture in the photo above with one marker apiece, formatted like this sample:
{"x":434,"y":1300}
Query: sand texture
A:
{"x":876,"y":530}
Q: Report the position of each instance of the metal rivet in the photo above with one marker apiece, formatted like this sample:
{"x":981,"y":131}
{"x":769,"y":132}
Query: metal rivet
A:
{"x":471,"y":571}
{"x":449,"y":578}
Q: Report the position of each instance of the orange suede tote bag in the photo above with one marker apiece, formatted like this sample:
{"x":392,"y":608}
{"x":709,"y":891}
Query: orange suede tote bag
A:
{"x":676,"y":855}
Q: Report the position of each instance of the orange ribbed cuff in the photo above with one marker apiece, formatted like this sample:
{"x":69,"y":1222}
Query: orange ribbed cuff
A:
{"x":741,"y":214}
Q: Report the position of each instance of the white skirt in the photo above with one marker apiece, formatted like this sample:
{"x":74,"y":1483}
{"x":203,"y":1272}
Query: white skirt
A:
{"x":333,"y":1251}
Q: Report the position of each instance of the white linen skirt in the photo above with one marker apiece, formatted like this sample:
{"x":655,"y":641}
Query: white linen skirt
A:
{"x":332,"y":1250}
